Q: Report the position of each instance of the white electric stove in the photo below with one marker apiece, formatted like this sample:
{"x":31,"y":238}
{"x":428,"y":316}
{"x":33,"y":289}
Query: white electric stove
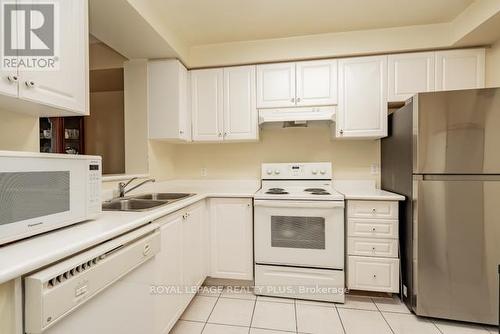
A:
{"x":299,"y":233}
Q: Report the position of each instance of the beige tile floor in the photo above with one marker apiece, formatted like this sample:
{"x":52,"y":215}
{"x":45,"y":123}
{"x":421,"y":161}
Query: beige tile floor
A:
{"x":226,"y":312}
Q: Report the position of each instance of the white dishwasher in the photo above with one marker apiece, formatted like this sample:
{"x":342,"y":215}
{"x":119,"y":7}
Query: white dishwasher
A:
{"x":100,"y":291}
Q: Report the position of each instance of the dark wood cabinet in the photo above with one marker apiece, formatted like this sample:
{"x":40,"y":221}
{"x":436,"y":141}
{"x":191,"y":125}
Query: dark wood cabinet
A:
{"x":62,"y":135}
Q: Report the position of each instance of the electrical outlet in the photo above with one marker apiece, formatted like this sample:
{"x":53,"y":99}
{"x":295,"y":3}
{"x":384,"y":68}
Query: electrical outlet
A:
{"x":374,"y":170}
{"x":204,"y":171}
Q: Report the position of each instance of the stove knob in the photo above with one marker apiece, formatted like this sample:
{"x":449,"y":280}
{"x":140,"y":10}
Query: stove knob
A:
{"x":323,"y":172}
{"x":277,"y":172}
{"x":269,"y":172}
{"x":314,"y":171}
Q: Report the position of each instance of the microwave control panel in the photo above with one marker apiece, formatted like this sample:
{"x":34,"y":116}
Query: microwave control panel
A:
{"x":95,"y":178}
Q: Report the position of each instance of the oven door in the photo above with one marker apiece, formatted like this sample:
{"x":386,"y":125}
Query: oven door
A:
{"x":299,"y":233}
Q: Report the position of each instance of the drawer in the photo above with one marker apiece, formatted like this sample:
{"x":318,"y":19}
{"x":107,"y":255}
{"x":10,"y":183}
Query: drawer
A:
{"x":301,"y":283}
{"x":372,"y":247}
{"x":372,"y":228}
{"x":372,"y":209}
{"x":373,"y":274}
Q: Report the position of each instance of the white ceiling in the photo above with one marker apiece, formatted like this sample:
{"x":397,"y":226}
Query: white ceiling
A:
{"x":200,"y":22}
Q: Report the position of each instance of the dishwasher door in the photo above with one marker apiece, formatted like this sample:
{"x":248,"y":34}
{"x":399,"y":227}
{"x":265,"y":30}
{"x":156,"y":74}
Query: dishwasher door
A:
{"x":103,"y":290}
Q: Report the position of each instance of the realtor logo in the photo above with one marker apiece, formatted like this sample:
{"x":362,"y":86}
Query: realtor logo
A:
{"x":30,"y":35}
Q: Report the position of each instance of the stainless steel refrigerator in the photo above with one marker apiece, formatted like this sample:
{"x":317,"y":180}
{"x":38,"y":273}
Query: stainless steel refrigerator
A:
{"x":443,"y":155}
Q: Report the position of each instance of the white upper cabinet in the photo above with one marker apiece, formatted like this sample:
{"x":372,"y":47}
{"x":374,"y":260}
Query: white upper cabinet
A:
{"x":276,"y":85}
{"x":316,"y":83}
{"x":410,"y":73}
{"x":362,"y":108}
{"x":168,"y":112}
{"x":8,"y":83}
{"x":307,"y":83}
{"x":231,"y":222}
{"x":66,"y":88}
{"x":207,"y":104}
{"x":460,"y":69}
{"x":240,"y":110}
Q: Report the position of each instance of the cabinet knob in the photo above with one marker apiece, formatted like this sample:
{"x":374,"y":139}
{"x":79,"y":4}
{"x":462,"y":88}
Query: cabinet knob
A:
{"x":220,"y":134}
{"x":30,"y":84}
{"x":374,"y":276}
{"x":374,"y":210}
{"x":373,"y":229}
{"x":373,"y":248}
{"x":298,"y":99}
{"x":292,"y":99}
{"x":341,"y":131}
{"x":12,"y":78}
{"x":181,"y":132}
{"x":225,"y":134}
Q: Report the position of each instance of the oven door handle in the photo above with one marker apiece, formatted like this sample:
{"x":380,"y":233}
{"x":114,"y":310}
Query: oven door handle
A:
{"x":299,"y":204}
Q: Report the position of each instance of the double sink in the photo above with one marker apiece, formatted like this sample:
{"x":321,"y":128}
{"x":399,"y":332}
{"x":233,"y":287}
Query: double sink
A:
{"x":143,"y":202}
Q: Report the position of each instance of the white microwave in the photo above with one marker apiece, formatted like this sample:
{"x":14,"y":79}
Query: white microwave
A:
{"x":40,"y":192}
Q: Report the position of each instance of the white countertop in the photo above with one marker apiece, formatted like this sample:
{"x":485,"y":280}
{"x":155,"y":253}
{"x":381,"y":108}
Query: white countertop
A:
{"x":30,"y":254}
{"x":365,"y":191}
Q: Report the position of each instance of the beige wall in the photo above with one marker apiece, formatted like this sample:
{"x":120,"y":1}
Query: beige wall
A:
{"x":351,"y":158}
{"x":493,"y":65}
{"x":102,"y":57}
{"x":18,"y":132}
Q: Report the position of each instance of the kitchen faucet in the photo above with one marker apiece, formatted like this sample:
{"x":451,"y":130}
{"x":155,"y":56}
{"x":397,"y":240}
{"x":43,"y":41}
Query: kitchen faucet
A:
{"x":123,"y":185}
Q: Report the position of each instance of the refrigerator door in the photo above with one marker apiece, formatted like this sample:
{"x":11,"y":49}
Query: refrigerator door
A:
{"x":457,"y":132}
{"x":457,"y":233}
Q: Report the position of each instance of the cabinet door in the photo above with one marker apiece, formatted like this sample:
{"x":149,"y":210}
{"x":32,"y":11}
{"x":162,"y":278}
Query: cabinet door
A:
{"x":317,"y":83}
{"x":362,"y":109}
{"x":410,"y":73}
{"x":206,"y":104}
{"x":460,"y":69}
{"x":169,"y":264}
{"x":168,"y":116}
{"x":231,"y":238}
{"x":68,"y":87}
{"x":240,"y":110}
{"x":276,"y":85}
{"x":8,"y":82}
{"x":193,"y":246}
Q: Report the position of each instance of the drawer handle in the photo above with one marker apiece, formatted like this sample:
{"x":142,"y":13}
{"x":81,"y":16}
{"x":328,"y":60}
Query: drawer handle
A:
{"x":374,"y":210}
{"x":373,"y":229}
{"x":146,"y":250}
{"x":374,"y":276}
{"x":373,"y":248}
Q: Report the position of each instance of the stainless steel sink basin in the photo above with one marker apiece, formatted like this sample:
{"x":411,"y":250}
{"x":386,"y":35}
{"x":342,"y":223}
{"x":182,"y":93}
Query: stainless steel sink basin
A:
{"x":131,"y":204}
{"x":163,"y":196}
{"x":143,"y":202}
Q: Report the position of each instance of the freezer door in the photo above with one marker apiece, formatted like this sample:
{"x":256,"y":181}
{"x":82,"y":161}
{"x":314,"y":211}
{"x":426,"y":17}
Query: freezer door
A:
{"x":457,"y":234}
{"x":458,"y":132}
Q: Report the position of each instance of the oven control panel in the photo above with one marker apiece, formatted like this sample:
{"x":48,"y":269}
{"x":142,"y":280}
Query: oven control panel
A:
{"x":297,"y":171}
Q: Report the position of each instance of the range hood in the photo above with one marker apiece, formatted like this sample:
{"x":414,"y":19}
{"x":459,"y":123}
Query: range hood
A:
{"x":297,"y":115}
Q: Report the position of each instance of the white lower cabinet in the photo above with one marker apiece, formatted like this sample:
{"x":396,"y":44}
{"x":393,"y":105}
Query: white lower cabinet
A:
{"x":231,"y":238}
{"x":373,"y":246}
{"x":180,"y":267}
{"x":373,"y":274}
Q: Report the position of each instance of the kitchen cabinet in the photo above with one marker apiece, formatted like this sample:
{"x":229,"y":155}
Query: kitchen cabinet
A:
{"x":460,"y":69}
{"x":168,"y":113}
{"x":168,"y":307}
{"x":65,"y":90}
{"x":373,"y":246}
{"x":231,"y":238}
{"x":362,"y":107}
{"x":240,"y":110}
{"x":207,"y":104}
{"x":8,"y":83}
{"x":276,"y":85}
{"x":307,"y":83}
{"x":223,"y":104}
{"x":410,"y":73}
{"x":317,"y":82}
{"x":193,"y":250}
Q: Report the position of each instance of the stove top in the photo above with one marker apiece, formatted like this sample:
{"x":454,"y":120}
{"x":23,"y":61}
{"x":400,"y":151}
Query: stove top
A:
{"x":294,"y":192}
{"x":298,"y":181}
